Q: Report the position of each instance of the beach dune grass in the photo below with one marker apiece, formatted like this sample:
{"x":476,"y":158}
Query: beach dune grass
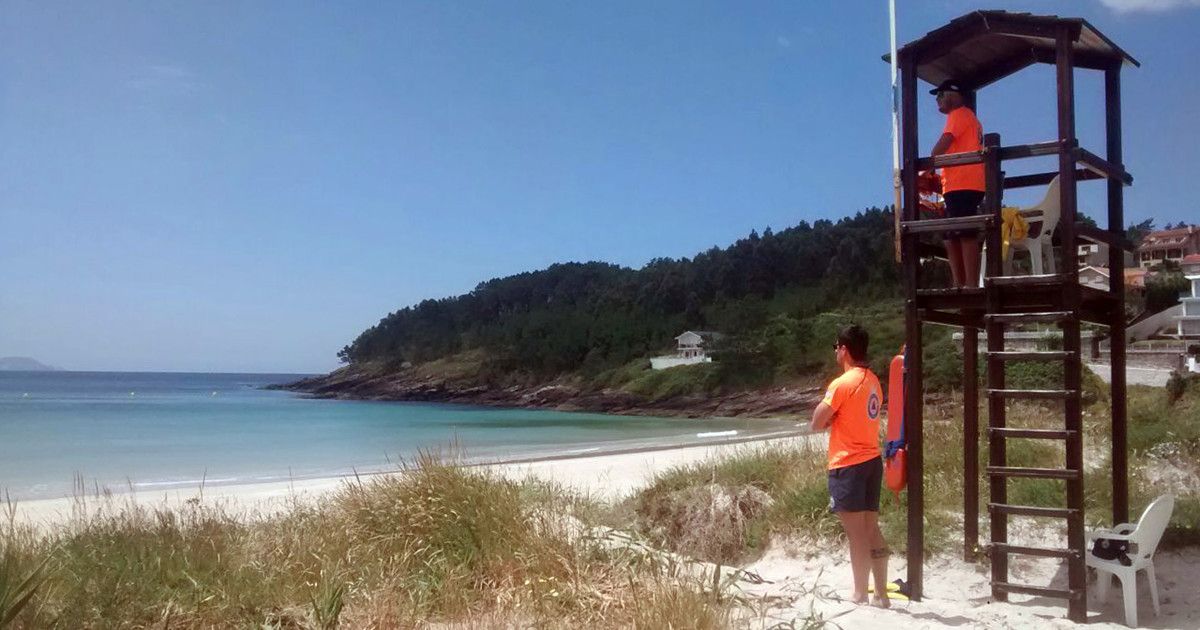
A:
{"x":18,"y":584}
{"x":1164,"y":449}
{"x":437,"y":543}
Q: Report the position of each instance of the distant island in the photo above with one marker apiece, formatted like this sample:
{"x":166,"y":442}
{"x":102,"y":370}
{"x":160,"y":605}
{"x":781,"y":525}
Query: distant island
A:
{"x":25,"y":364}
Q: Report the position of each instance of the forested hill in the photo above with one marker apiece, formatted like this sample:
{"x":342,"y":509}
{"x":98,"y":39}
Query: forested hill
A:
{"x":587,"y":317}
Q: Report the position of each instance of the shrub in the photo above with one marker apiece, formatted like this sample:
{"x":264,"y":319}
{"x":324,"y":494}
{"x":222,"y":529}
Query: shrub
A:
{"x":1176,"y":387}
{"x":711,"y":522}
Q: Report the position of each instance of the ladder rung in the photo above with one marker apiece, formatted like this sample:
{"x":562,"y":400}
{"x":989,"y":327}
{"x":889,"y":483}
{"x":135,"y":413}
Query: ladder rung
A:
{"x":1031,"y":355}
{"x":1043,"y":473}
{"x":1042,"y":552}
{"x":1041,"y":394}
{"x":1029,"y":318}
{"x":1037,"y":590}
{"x":1029,"y":510}
{"x":1040,"y":434}
{"x":1014,"y":281}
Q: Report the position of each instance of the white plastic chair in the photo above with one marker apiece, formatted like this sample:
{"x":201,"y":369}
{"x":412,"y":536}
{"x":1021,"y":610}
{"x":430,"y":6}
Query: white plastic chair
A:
{"x":1046,"y":214}
{"x":1143,"y":540}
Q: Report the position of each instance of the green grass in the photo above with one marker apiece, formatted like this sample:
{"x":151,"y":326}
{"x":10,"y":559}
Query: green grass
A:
{"x":677,"y":381}
{"x":1161,"y":433}
{"x":1155,"y":421}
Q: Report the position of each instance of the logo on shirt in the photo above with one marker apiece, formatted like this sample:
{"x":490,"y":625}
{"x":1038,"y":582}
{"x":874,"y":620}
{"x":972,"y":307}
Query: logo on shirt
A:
{"x":873,"y":405}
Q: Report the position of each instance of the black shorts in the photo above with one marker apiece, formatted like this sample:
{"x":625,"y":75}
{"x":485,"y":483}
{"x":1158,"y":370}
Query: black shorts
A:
{"x":962,"y":203}
{"x":856,"y":488}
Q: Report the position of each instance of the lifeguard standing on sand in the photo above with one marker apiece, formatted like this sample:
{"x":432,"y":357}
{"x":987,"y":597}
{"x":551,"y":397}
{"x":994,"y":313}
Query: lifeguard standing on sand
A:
{"x":851,"y":410}
{"x":962,"y":186}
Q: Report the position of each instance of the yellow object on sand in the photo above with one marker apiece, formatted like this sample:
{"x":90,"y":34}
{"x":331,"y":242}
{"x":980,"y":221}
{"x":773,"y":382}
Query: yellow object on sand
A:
{"x":1012,"y":228}
{"x":893,"y":591}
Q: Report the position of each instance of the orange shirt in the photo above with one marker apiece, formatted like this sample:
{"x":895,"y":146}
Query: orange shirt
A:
{"x":856,"y":399}
{"x":962,"y":124}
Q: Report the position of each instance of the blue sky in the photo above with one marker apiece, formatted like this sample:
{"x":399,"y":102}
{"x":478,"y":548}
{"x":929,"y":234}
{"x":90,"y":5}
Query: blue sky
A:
{"x":219,"y":186}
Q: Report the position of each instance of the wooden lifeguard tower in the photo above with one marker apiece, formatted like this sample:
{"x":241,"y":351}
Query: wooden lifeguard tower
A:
{"x":977,"y":50}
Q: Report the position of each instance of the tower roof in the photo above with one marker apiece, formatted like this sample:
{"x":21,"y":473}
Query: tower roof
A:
{"x":983,"y":47}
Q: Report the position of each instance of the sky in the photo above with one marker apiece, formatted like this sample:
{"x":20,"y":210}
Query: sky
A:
{"x":246,"y":186}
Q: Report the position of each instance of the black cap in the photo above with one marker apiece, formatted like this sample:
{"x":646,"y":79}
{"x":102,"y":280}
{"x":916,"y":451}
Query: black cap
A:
{"x":949,"y":85}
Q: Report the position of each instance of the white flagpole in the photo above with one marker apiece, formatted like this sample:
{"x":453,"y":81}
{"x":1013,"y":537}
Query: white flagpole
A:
{"x":895,"y":130}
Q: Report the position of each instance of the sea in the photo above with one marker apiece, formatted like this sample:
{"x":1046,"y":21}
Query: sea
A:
{"x":65,"y":433}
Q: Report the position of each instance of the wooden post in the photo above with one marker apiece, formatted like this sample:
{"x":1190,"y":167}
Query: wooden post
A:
{"x":970,"y":442}
{"x":913,"y":385}
{"x":1116,"y":265}
{"x":1072,"y":367}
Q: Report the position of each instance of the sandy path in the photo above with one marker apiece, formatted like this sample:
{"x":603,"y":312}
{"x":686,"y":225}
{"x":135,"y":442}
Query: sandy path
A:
{"x":1133,"y":375}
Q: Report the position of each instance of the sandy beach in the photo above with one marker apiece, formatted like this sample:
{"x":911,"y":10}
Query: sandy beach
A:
{"x":607,"y":476}
{"x":792,"y":581}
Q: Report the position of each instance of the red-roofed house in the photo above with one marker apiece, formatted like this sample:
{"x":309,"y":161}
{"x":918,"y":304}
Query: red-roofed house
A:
{"x":1169,"y":245}
{"x":1191,"y":264}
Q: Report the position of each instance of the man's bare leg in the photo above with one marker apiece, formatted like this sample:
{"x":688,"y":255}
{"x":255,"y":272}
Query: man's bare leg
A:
{"x":955,"y":255}
{"x":860,"y":552}
{"x":879,"y":559}
{"x":969,"y":251}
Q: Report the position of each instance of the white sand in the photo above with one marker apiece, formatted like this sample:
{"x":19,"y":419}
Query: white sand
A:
{"x":609,"y":476}
{"x":799,"y":580}
{"x":957,"y":594}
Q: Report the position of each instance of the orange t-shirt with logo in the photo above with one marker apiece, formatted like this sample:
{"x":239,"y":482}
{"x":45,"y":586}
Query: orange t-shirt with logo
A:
{"x":856,"y":400}
{"x":964,"y":127}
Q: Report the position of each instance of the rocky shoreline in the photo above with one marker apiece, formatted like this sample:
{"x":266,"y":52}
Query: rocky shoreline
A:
{"x":349,"y":384}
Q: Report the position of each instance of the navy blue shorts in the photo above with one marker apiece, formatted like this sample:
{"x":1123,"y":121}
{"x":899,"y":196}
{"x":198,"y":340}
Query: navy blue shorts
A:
{"x":856,"y":488}
{"x":962,"y":203}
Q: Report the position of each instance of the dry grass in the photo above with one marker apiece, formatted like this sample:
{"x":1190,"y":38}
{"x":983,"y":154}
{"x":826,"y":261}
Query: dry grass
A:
{"x":438,"y":544}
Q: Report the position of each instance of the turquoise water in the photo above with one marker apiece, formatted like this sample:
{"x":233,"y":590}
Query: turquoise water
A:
{"x":144,"y":431}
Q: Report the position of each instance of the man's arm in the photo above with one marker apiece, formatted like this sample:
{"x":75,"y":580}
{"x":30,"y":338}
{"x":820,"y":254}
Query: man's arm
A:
{"x":822,"y":418}
{"x":943,"y":143}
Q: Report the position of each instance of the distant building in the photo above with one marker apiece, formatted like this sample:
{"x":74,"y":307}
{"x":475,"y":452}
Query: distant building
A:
{"x":1096,"y":255}
{"x":1173,"y":245}
{"x":689,"y":350}
{"x":1189,"y":322}
{"x":1094,"y":277}
{"x":1191,"y":264}
{"x":1135,"y":279}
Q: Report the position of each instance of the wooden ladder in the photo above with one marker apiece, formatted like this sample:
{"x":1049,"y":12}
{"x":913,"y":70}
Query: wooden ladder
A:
{"x":1066,"y":314}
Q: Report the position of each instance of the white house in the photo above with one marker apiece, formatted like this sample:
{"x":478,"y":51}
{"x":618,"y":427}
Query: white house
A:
{"x":1094,"y":277}
{"x":1189,"y":320}
{"x":689,"y":350}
